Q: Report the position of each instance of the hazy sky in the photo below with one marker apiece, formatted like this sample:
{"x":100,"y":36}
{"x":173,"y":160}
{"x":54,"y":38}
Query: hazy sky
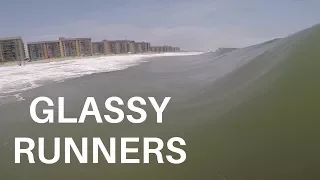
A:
{"x":190,"y":24}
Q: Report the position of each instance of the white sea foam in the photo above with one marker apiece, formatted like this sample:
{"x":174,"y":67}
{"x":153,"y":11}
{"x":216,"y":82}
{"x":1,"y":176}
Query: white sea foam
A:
{"x":16,"y":79}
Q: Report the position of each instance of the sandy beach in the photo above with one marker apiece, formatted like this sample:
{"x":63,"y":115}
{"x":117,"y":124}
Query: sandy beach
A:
{"x":14,"y":63}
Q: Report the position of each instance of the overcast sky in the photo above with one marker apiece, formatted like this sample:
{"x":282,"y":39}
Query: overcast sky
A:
{"x":189,"y":24}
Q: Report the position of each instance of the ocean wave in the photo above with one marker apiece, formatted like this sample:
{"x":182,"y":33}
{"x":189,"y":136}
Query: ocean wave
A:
{"x":16,"y":79}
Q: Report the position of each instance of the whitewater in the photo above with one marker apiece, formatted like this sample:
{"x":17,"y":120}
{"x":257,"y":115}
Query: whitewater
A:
{"x":16,"y":79}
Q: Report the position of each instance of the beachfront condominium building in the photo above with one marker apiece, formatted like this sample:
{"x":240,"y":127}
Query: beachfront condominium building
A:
{"x":11,"y":49}
{"x":142,"y":47}
{"x":164,"y":49}
{"x":75,"y":47}
{"x":98,"y":47}
{"x":176,"y":49}
{"x":102,"y":47}
{"x":156,"y":49}
{"x":126,"y":46}
{"x":114,"y":47}
{"x":122,"y":46}
{"x":131,"y":47}
{"x":44,"y":50}
{"x":138,"y":47}
{"x":64,"y":47}
{"x":145,"y":46}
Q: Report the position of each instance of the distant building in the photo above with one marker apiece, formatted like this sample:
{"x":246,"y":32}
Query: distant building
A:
{"x":121,"y":47}
{"x":102,"y":47}
{"x":114,"y":47}
{"x":157,"y":49}
{"x":11,"y":49}
{"x":75,"y":47}
{"x":131,"y":47}
{"x":126,"y":46}
{"x":145,"y":46}
{"x":165,"y":48}
{"x":69,"y":47}
{"x":176,"y":49}
{"x":98,"y":47}
{"x":60,"y":48}
{"x":138,"y":47}
{"x":106,"y":47}
{"x":44,"y":50}
{"x":123,"y":44}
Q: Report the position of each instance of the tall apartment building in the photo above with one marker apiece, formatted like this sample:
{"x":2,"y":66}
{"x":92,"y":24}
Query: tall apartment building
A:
{"x":60,"y":48}
{"x":167,"y":48}
{"x":145,"y":46}
{"x":114,"y":47}
{"x":126,"y":46}
{"x":138,"y":47}
{"x":123,"y":46}
{"x":98,"y":47}
{"x":75,"y":47}
{"x":106,"y":47}
{"x":11,"y":49}
{"x":142,"y":47}
{"x":131,"y":47}
{"x":102,"y":47}
{"x":156,"y":49}
{"x":44,"y":50}
{"x":120,"y":47}
{"x":164,"y":49}
{"x":176,"y":49}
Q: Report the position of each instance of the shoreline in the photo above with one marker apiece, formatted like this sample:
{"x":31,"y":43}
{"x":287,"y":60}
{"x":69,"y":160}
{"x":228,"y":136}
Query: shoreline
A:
{"x":19,"y":79}
{"x":15,"y":63}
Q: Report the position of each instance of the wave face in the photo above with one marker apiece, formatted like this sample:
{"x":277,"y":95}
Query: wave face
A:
{"x":16,"y":79}
{"x":269,"y":124}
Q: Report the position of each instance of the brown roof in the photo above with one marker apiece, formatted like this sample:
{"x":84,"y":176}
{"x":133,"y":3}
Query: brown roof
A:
{"x":42,"y":42}
{"x":62,"y":38}
{"x":10,"y":38}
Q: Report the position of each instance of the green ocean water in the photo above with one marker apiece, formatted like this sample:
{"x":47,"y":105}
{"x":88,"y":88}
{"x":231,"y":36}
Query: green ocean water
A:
{"x":259,"y":122}
{"x":274,"y":135}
